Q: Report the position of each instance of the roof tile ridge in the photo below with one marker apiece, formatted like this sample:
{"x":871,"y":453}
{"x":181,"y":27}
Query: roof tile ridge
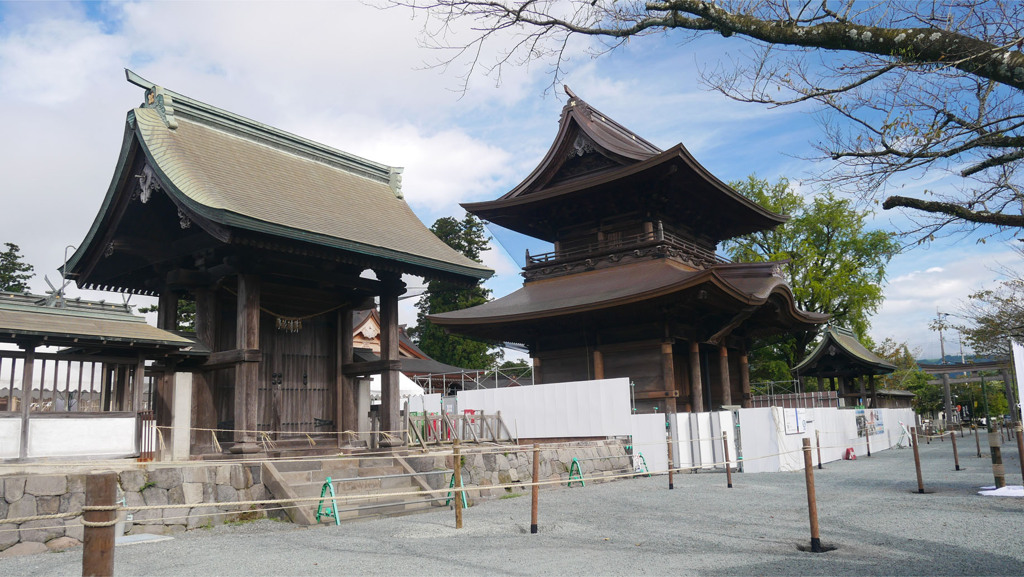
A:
{"x":229,"y":122}
{"x":578,"y":106}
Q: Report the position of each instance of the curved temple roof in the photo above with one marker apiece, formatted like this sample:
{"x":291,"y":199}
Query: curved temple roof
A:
{"x":506,"y":318}
{"x":236,"y":172}
{"x":840,"y":353}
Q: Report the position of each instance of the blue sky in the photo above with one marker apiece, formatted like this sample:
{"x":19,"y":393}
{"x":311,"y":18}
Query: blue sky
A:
{"x":356,"y":78}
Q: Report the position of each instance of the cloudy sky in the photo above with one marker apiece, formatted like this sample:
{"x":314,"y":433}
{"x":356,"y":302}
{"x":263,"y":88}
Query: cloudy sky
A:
{"x":358,"y":78}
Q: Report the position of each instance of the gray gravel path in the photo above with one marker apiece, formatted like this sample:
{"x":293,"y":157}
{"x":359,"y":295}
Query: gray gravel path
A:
{"x":868,"y":508}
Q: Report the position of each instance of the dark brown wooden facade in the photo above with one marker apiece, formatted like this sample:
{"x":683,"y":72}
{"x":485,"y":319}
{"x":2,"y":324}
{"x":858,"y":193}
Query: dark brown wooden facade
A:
{"x":272,"y":236}
{"x":847,"y":367}
{"x":634,"y":287}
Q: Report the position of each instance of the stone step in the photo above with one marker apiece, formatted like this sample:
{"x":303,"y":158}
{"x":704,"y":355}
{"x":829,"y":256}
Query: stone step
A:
{"x":289,"y":466}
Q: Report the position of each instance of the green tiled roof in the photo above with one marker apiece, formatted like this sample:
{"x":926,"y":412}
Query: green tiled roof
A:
{"x":80,"y":323}
{"x":841,"y":342}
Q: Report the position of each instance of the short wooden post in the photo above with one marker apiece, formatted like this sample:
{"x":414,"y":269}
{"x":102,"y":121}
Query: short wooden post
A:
{"x":817,"y":437}
{"x":458,"y":483}
{"x":867,"y":439}
{"x":98,"y":539}
{"x":670,"y":464}
{"x":917,"y":460}
{"x":812,"y":500}
{"x":728,"y":469}
{"x":536,"y":487}
{"x":998,"y":470}
{"x":977,"y":439}
{"x":956,"y":454}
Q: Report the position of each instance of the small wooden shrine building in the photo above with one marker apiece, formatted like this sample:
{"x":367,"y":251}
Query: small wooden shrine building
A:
{"x":278,"y":240}
{"x":840,"y":359}
{"x":634,"y":287}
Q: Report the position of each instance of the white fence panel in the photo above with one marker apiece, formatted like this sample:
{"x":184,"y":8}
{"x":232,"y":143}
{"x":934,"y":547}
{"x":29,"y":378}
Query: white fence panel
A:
{"x":598,"y":408}
{"x":76,"y":437}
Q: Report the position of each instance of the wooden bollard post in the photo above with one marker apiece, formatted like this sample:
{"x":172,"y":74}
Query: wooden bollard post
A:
{"x":812,"y":499}
{"x":956,"y":454}
{"x":98,"y":538}
{"x":998,"y":470}
{"x":670,"y":464}
{"x":817,"y":437}
{"x":536,"y":488}
{"x":1020,"y":449}
{"x":458,"y":484}
{"x":917,"y":460}
{"x":728,"y":470}
{"x":977,"y":439}
{"x":867,"y":440}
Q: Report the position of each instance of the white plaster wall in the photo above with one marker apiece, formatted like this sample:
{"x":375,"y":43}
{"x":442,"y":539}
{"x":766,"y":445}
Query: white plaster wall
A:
{"x":425,"y":403}
{"x":75,"y":437}
{"x":597,"y":408}
{"x":10,"y":438}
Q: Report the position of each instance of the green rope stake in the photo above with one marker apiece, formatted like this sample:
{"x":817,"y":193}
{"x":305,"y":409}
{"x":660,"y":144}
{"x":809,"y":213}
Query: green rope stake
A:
{"x":322,"y":511}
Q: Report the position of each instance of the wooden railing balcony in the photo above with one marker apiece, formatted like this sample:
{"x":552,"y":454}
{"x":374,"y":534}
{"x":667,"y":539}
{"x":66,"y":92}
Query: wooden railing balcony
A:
{"x":579,"y":251}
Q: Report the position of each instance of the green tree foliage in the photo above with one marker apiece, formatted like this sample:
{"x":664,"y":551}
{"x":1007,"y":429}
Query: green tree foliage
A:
{"x":995,"y":316}
{"x":186,"y":314}
{"x":14,"y":273}
{"x":908,"y":376}
{"x":834,"y":265}
{"x":469,"y":237}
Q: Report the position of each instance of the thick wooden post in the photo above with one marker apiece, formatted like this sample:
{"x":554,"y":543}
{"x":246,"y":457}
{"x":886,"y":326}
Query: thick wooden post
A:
{"x":535,"y":492}
{"x":917,"y":460}
{"x":457,"y":493}
{"x":138,"y":383}
{"x":247,"y":373}
{"x":537,"y":379}
{"x":812,"y":499}
{"x":728,"y":469}
{"x":98,"y":539}
{"x":977,"y":439}
{"x":389,"y":384}
{"x":745,"y":381}
{"x":671,"y":465}
{"x":723,"y":370}
{"x":347,"y":395}
{"x":996,"y":451}
{"x":696,"y":385}
{"x":874,"y":392}
{"x":598,"y":364}
{"x":204,"y":407}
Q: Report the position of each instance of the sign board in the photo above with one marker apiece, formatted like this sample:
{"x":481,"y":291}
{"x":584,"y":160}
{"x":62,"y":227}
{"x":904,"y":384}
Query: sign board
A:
{"x":795,"y":421}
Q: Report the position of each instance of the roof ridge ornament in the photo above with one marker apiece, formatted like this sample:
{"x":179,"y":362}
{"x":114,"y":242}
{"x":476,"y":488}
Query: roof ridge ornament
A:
{"x":395,"y":181}
{"x":159,"y":100}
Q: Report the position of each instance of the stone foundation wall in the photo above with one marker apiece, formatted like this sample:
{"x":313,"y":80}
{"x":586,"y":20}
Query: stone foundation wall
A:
{"x":485,"y":470}
{"x":201,"y":485}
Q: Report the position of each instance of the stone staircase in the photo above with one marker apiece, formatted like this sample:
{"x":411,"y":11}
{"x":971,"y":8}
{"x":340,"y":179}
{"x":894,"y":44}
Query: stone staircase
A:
{"x":353,"y":475}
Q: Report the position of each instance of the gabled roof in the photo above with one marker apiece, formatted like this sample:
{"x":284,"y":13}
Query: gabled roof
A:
{"x":624,"y":169}
{"x":80,"y":324}
{"x":840,"y":354}
{"x":225,"y":170}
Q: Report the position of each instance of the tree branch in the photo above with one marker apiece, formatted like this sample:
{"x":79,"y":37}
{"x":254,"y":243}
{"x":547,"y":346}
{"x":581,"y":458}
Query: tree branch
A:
{"x":955,"y":210}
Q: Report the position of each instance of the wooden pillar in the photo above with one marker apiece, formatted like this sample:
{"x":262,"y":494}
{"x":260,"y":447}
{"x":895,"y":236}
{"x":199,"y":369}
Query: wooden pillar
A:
{"x":723,"y":369}
{"x":204,"y":408}
{"x":863,"y":393}
{"x":105,"y":391}
{"x":748,"y":401}
{"x":121,"y":385}
{"x":26,"y":395}
{"x":598,"y":364}
{"x":696,"y":385}
{"x":536,"y":371}
{"x":166,"y":319}
{"x":138,"y":383}
{"x":167,"y":310}
{"x":874,"y":392}
{"x":347,"y":415}
{"x":668,"y":376}
{"x":389,"y":385}
{"x":247,"y":373}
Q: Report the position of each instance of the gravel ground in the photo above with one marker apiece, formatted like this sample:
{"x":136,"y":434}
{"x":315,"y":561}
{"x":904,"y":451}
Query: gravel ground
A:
{"x":869,"y":509}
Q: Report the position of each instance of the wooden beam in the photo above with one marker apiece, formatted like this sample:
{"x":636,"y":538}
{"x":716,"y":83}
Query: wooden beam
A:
{"x":370,"y":368}
{"x":247,"y":336}
{"x":226,"y":359}
{"x":656,"y":395}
